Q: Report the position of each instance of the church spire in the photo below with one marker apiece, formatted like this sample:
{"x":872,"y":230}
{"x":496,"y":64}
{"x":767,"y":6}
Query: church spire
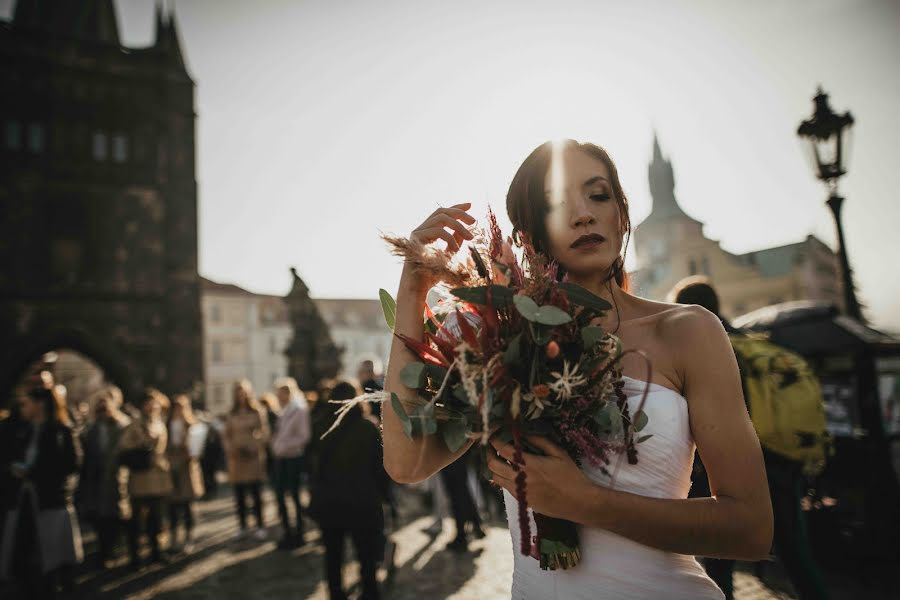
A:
{"x":167,"y":41}
{"x":662,"y":187}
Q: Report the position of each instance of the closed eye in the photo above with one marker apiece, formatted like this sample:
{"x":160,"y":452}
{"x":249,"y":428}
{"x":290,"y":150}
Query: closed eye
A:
{"x":601,"y":197}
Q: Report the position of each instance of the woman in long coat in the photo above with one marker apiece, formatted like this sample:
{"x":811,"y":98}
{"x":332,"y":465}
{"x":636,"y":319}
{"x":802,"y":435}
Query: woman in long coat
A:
{"x":103,"y":483}
{"x":143,"y":450}
{"x":187,"y":478}
{"x":41,"y":540}
{"x":246,"y":438}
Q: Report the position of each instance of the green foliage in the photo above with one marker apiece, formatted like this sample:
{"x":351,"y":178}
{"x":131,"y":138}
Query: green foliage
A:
{"x":545,"y":315}
{"x":591,"y":336}
{"x":413,"y":375}
{"x":580,"y":296}
{"x":389,"y":307}
{"x":501,"y":295}
{"x":401,"y":414}
{"x":455,"y":432}
{"x":640,"y":420}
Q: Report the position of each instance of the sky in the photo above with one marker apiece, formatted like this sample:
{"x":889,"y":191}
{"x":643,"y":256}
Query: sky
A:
{"x":321,"y":124}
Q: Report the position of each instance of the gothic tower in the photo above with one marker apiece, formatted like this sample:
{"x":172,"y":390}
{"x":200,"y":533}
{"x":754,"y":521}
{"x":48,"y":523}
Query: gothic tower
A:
{"x":98,"y":193}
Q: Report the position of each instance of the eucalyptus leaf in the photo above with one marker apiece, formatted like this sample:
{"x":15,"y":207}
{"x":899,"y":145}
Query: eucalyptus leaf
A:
{"x":591,"y":336}
{"x":413,"y":375}
{"x":643,"y":438}
{"x":455,"y":433}
{"x":513,"y":352}
{"x":389,"y":307}
{"x":401,"y":414}
{"x":552,"y":315}
{"x":527,"y":307}
{"x":603,"y":418}
{"x":582,"y":297}
{"x":640,"y":420}
{"x":429,"y":423}
{"x":546,"y":315}
{"x":500,"y":295}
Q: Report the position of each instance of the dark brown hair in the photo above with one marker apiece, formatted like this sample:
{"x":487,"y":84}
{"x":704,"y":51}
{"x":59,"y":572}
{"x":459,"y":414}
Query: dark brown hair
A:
{"x":526,"y":203}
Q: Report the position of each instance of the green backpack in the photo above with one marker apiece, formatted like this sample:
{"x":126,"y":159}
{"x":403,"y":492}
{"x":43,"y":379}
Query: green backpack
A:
{"x":784,"y":400}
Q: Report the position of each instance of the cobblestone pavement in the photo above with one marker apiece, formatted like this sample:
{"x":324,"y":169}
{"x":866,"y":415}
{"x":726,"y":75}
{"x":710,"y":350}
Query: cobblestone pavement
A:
{"x":223,"y":568}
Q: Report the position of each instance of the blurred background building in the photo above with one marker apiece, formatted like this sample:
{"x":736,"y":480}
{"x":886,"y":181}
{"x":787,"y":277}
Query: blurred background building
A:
{"x":98,"y":239}
{"x":670,"y":245}
{"x":248,"y":335}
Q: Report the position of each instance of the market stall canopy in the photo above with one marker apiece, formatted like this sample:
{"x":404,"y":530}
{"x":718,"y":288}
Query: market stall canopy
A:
{"x":810,"y":327}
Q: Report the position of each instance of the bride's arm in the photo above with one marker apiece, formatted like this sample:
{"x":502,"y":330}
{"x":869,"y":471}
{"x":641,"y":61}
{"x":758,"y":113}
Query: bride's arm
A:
{"x":736,"y":522}
{"x":411,"y":460}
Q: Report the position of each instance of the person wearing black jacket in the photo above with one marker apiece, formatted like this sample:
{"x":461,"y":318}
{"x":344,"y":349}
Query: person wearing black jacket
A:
{"x":347,"y":489}
{"x":41,"y":540}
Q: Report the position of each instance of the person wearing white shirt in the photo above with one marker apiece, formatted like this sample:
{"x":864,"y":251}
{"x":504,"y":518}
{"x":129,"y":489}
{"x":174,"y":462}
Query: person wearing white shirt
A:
{"x":289,"y":442}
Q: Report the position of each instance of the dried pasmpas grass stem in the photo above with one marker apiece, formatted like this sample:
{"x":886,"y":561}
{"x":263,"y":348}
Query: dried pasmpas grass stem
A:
{"x":431,"y":263}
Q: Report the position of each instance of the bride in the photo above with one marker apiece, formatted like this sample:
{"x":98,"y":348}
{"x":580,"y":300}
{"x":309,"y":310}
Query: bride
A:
{"x":639,"y":533}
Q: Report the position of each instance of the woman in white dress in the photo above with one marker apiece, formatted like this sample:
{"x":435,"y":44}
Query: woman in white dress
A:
{"x":639,"y":535}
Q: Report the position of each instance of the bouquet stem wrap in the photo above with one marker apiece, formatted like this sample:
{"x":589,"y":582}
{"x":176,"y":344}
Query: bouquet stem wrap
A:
{"x":556,"y":543}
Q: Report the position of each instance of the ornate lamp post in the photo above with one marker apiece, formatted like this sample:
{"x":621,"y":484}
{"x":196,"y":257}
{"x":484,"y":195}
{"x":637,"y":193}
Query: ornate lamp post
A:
{"x":826,"y":132}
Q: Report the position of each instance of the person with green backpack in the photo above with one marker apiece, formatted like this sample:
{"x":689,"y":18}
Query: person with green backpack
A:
{"x":786,"y":407}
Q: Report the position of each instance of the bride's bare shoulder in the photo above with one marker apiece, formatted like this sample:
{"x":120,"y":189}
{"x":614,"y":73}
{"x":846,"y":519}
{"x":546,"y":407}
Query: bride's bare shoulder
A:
{"x":677,"y":319}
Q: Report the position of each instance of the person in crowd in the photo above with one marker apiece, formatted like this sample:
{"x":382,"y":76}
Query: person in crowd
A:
{"x":142,"y":449}
{"x":246,"y":438}
{"x":370,"y":382}
{"x":347,"y":487}
{"x":212,"y":460}
{"x":785,"y":482}
{"x":268,"y":402}
{"x":455,"y":478}
{"x":187,"y":479}
{"x":289,"y":442}
{"x":103,"y":484}
{"x":10,"y":426}
{"x":41,"y":539}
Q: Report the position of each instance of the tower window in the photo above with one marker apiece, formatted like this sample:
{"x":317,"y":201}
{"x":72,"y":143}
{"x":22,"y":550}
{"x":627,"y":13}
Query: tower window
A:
{"x":36,"y":138}
{"x":99,"y":146}
{"x":13,"y":135}
{"x":119,"y":148}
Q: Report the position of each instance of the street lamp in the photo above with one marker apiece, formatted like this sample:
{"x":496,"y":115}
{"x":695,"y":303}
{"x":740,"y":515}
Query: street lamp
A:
{"x":826,"y":132}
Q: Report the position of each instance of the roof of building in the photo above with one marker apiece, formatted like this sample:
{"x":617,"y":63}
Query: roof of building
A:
{"x":780,"y":260}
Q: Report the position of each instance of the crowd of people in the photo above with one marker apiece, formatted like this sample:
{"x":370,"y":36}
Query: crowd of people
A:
{"x":132,"y":473}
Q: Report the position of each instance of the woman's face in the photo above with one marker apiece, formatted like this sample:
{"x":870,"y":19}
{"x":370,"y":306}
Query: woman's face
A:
{"x":101,"y":410}
{"x":241,"y":395}
{"x":284,"y":396}
{"x":583,"y":221}
{"x":152,"y":407}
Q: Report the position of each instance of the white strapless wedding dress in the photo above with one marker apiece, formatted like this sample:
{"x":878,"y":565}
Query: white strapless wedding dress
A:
{"x":613,"y":566}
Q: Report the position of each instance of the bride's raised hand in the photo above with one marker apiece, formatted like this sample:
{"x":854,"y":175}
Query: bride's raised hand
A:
{"x":446,"y":224}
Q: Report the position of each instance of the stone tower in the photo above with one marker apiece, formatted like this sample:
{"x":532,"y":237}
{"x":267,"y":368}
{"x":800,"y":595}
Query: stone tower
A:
{"x":98,"y":239}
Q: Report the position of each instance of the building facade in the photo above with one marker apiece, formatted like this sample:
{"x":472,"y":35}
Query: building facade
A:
{"x":245,"y":336}
{"x":248,"y":335}
{"x":670,"y":245}
{"x":98,"y":238}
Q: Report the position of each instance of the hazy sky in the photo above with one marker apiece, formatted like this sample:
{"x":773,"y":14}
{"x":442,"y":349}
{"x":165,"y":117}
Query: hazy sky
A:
{"x":321,"y":123}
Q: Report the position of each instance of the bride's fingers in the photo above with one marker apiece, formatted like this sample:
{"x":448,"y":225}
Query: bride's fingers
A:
{"x":431,"y":234}
{"x":460,"y":214}
{"x":500,"y":468}
{"x":454,"y":224}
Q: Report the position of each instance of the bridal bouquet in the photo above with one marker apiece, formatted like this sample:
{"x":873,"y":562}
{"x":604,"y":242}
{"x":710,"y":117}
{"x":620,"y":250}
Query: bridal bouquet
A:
{"x":513,"y":352}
